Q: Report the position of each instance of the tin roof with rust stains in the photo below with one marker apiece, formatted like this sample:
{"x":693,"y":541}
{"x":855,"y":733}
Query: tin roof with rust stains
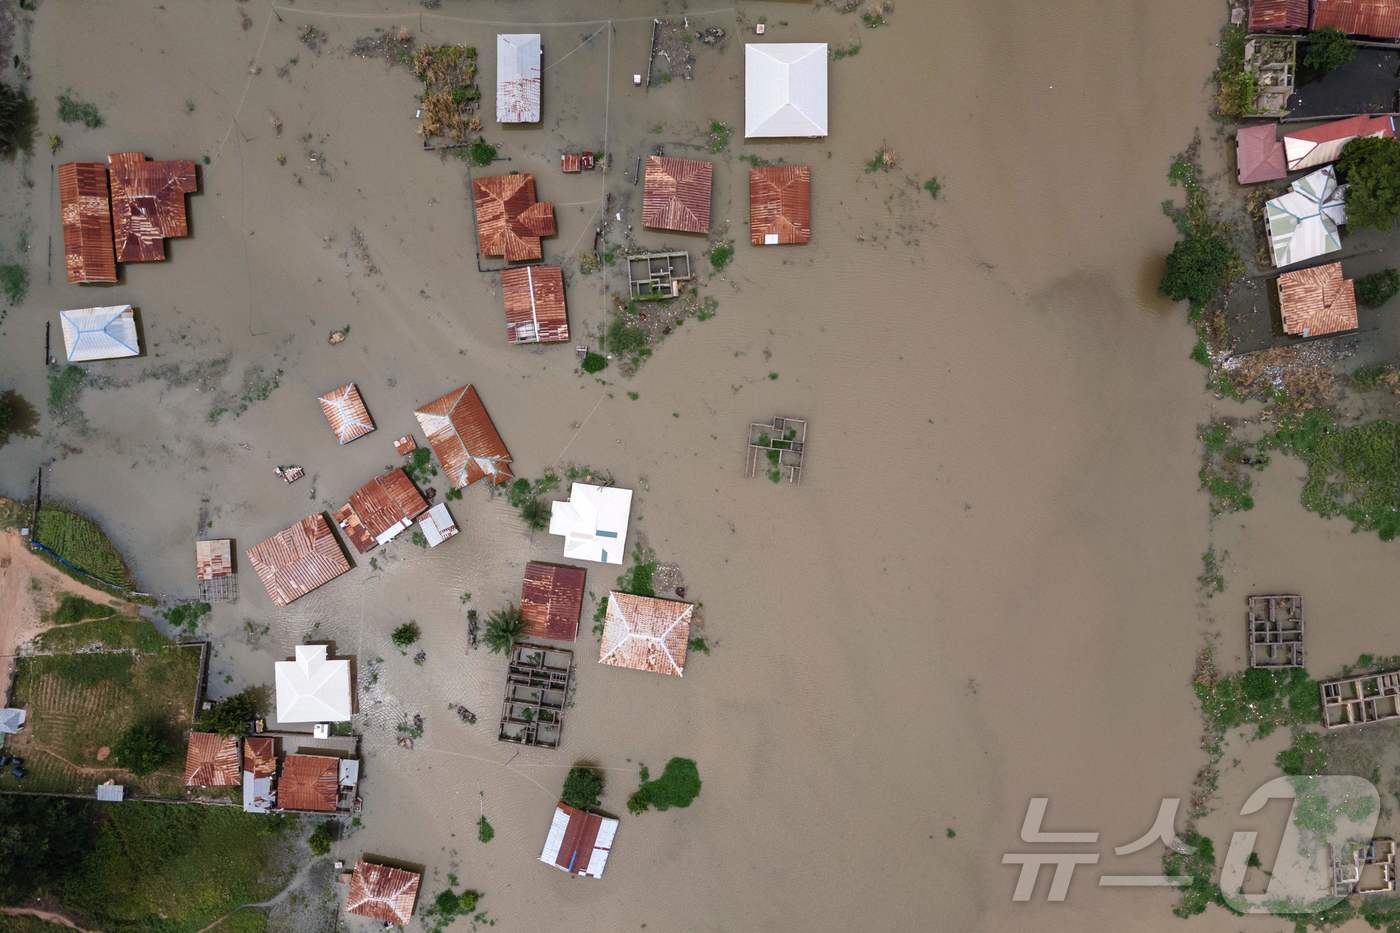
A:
{"x":380,"y":509}
{"x":551,"y":599}
{"x":676,"y":194}
{"x":646,"y":633}
{"x":464,"y":438}
{"x":148,"y":203}
{"x":534,"y":301}
{"x":85,"y":209}
{"x":212,"y":760}
{"x":780,"y":204}
{"x":509,"y":221}
{"x":1278,"y":15}
{"x":346,"y":413}
{"x":1377,"y":19}
{"x":309,"y":782}
{"x":382,"y":893}
{"x":298,"y":559}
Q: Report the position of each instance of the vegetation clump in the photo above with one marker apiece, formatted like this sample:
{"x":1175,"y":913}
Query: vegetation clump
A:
{"x":721,"y":254}
{"x":1258,"y":697}
{"x":525,"y":496}
{"x":65,"y":388}
{"x":481,"y":153}
{"x":1197,"y":867}
{"x":1237,"y":87}
{"x":83,"y":544}
{"x":1374,"y":290}
{"x":583,"y":788}
{"x":1370,"y":168}
{"x":405,"y":635}
{"x":638,"y":579}
{"x":594,"y":363}
{"x":232,"y":715}
{"x":17,"y":416}
{"x":144,"y":747}
{"x":450,"y":94}
{"x":17,"y":118}
{"x":319,"y":842}
{"x":503,"y":627}
{"x":449,"y":906}
{"x":1328,"y":49}
{"x":187,"y":615}
{"x":484,"y":831}
{"x":719,"y":136}
{"x":678,"y":786}
{"x":1353,"y":471}
{"x":73,"y":109}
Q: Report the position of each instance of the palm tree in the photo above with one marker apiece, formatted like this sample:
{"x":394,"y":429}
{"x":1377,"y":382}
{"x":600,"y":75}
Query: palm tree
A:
{"x":503,"y":627}
{"x":17,"y":119}
{"x":535,"y":514}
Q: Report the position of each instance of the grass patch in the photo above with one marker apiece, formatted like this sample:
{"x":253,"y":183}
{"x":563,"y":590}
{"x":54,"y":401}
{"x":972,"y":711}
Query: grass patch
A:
{"x":82,"y":543}
{"x":73,"y":109}
{"x":1352,"y":472}
{"x":73,"y":609}
{"x":719,"y":136}
{"x":116,"y":632}
{"x":638,"y":580}
{"x":65,"y":388}
{"x":678,"y":786}
{"x":721,"y":254}
{"x":14,"y":282}
{"x":1212,"y":577}
{"x":187,"y":615}
{"x":845,"y":51}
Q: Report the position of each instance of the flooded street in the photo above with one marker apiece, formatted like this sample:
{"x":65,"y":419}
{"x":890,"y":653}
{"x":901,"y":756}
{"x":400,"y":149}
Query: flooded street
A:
{"x":983,"y":590}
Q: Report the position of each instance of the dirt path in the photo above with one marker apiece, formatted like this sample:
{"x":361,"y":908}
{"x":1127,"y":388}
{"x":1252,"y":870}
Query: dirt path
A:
{"x":47,"y":916}
{"x":273,"y":901}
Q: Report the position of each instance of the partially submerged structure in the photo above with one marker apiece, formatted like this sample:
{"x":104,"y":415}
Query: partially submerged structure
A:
{"x":518,"y":78}
{"x":1275,"y":631}
{"x":534,"y":301}
{"x":785,"y":90}
{"x":1259,"y":154}
{"x":1317,"y":301}
{"x":676,"y":194}
{"x":380,"y":510}
{"x":1356,"y":701}
{"x":437,"y":525}
{"x":1363,"y":867}
{"x":1305,"y":222}
{"x":1272,"y":61}
{"x":99,"y":333}
{"x":309,"y":783}
{"x":148,"y":204}
{"x":551,"y":599}
{"x":1370,"y":19}
{"x":645,"y":633}
{"x":214,"y":571}
{"x":652,"y":276}
{"x":259,"y":774}
{"x":1322,"y":145}
{"x":780,"y":204}
{"x":538,"y":678}
{"x":85,"y":210}
{"x":212,"y":760}
{"x":346,"y":413}
{"x":464,"y":438}
{"x":313,"y":687}
{"x":509,"y":221}
{"x":298,"y":559}
{"x":593,"y":522}
{"x":578,"y":842}
{"x":778,"y":448}
{"x":383,"y":893}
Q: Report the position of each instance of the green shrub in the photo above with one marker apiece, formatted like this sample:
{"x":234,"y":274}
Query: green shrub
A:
{"x":75,"y":110}
{"x":1370,"y":167}
{"x":721,"y":254}
{"x":187,"y":615}
{"x":1198,"y":267}
{"x":484,"y":831}
{"x":481,"y":152}
{"x":405,"y":635}
{"x":624,"y":339}
{"x":594,"y":363}
{"x":933,"y":187}
{"x":1327,"y":50}
{"x":14,"y":282}
{"x":678,"y":786}
{"x":17,"y":118}
{"x":321,"y":838}
{"x":233,"y":715}
{"x":144,"y":747}
{"x":1376,"y":289}
{"x":583,"y":788}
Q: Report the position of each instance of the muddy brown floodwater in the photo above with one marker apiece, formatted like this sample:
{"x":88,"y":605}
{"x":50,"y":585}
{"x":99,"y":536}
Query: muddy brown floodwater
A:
{"x":984,"y":588}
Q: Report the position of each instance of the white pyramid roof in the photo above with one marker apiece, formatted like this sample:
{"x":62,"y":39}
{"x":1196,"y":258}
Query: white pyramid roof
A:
{"x":1303,"y":222}
{"x":785,"y":89}
{"x":593,"y":523}
{"x":99,"y":333}
{"x":313,"y":688}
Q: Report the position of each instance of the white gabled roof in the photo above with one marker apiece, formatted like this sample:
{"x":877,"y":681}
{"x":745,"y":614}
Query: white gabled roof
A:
{"x":785,"y":89}
{"x":593,"y":522}
{"x":518,"y":78}
{"x":99,"y":333}
{"x":313,"y":688}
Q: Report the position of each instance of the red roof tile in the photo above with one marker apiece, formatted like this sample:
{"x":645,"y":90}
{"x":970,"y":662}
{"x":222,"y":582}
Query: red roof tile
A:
{"x":212,"y":760}
{"x":86,"y":213}
{"x":551,"y":599}
{"x":534,"y":300}
{"x":676,"y":194}
{"x":309,"y":782}
{"x":377,"y":507}
{"x":148,"y":204}
{"x":1278,"y":15}
{"x":382,"y":893}
{"x":298,"y":559}
{"x":464,"y":438}
{"x":260,"y":756}
{"x":1378,"y":19}
{"x":346,"y":413}
{"x":1317,"y":301}
{"x":780,"y":204}
{"x":509,"y":221}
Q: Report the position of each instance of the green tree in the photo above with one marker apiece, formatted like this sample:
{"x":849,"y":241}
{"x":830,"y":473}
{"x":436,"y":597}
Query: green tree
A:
{"x":1198,"y":267}
{"x":1375,"y":289}
{"x":583,"y":788}
{"x":321,"y":838}
{"x":17,"y":118}
{"x":144,"y":747}
{"x":405,"y":635}
{"x":233,"y":715}
{"x":535,"y":514}
{"x":503,"y":627}
{"x":17,"y":416}
{"x":1327,"y":50}
{"x":42,"y":843}
{"x":1370,"y":166}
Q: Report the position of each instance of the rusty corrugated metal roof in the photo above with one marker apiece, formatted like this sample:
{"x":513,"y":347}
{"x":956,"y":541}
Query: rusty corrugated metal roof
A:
{"x":534,"y":300}
{"x":551,"y":599}
{"x":676,"y":194}
{"x":384,"y":504}
{"x":298,"y":559}
{"x":148,"y":204}
{"x":309,"y":782}
{"x":85,"y":209}
{"x":382,"y":893}
{"x":346,"y":413}
{"x":645,"y":633}
{"x":780,"y":204}
{"x":1278,"y":15}
{"x":212,"y":760}
{"x":1317,"y":301}
{"x":509,"y":221}
{"x":1377,"y":19}
{"x":260,"y":756}
{"x":464,"y":438}
{"x":213,"y":558}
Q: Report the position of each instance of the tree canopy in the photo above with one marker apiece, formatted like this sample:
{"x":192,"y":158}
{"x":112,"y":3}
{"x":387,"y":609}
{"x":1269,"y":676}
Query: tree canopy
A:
{"x":1327,"y":50}
{"x":1370,"y":167}
{"x":583,"y":788}
{"x":144,"y":747}
{"x":1198,"y":267}
{"x":233,"y":715}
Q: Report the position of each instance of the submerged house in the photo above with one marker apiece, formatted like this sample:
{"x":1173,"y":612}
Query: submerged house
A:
{"x":298,"y":559}
{"x":509,"y":221}
{"x":593,"y":522}
{"x":1317,"y":301}
{"x":676,"y":194}
{"x":313,"y":687}
{"x":382,"y":893}
{"x":380,"y":510}
{"x":780,"y":204}
{"x":518,"y":78}
{"x":1304,"y":222}
{"x":1323,"y":144}
{"x":551,"y":600}
{"x":99,"y":333}
{"x":1370,"y":19}
{"x":346,"y":413}
{"x":213,"y":569}
{"x":645,"y":633}
{"x":437,"y":525}
{"x":578,"y":842}
{"x":148,"y":204}
{"x":464,"y":438}
{"x":1259,"y":154}
{"x":212,"y":760}
{"x":785,"y":90}
{"x":85,"y":210}
{"x":534,"y":301}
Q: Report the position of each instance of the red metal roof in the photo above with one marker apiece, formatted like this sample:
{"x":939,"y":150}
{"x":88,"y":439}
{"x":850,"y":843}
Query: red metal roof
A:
{"x":377,"y":506}
{"x":579,"y":837}
{"x":464,"y":438}
{"x":382,"y":893}
{"x":534,"y":300}
{"x":148,"y":204}
{"x":570,"y":162}
{"x":509,"y":221}
{"x":1317,"y":301}
{"x":780,"y":204}
{"x":309,"y":782}
{"x":346,"y":413}
{"x":298,"y":559}
{"x":260,"y":756}
{"x":86,"y":213}
{"x":1378,"y":19}
{"x":645,"y":633}
{"x":676,"y":194}
{"x":1278,"y":16}
{"x":1259,"y":154}
{"x":212,"y":760}
{"x":551,"y":599}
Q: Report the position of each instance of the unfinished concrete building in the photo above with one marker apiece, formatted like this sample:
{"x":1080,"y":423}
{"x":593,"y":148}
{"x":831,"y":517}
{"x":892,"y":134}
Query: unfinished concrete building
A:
{"x":537,"y":688}
{"x":1275,"y":631}
{"x":777,"y":448}
{"x":1356,"y":701}
{"x":1365,"y":868}
{"x":654,"y":276}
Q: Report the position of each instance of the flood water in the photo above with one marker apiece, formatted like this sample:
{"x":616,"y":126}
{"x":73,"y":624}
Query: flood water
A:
{"x":983,"y":589}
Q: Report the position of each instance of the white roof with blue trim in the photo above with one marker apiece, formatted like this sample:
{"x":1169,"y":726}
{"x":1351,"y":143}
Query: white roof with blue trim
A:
{"x":1303,"y":223}
{"x":99,"y":333}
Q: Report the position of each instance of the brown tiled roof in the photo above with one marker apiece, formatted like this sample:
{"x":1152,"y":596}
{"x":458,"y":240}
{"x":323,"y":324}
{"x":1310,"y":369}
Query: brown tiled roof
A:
{"x":382,"y":893}
{"x":550,"y":600}
{"x":534,"y":300}
{"x":378,"y":506}
{"x":780,"y":204}
{"x":148,"y":204}
{"x":298,"y":559}
{"x":260,"y":756}
{"x":85,"y":210}
{"x":212,"y":760}
{"x":1378,"y":19}
{"x":676,"y":194}
{"x":464,"y":438}
{"x":1317,"y":301}
{"x":509,"y":221}
{"x":645,"y":633}
{"x":346,"y":413}
{"x":213,"y":558}
{"x":309,"y":782}
{"x":1278,"y":15}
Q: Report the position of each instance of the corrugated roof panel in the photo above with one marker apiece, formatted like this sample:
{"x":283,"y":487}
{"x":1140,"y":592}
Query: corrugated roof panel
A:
{"x":780,"y":204}
{"x":85,"y":210}
{"x":298,"y":559}
{"x":534,"y":302}
{"x":509,"y":221}
{"x":212,"y":760}
{"x":1376,"y":19}
{"x":551,"y":599}
{"x":99,"y":333}
{"x":380,"y":509}
{"x":1278,"y":15}
{"x":645,"y":633}
{"x":346,"y":413}
{"x":1317,"y":301}
{"x":382,"y":893}
{"x":309,"y":782}
{"x":464,"y":438}
{"x":148,"y":204}
{"x":518,"y":78}
{"x":676,"y":194}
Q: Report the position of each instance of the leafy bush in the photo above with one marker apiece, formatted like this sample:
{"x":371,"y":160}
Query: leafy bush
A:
{"x":233,"y":715}
{"x":187,"y":615}
{"x":1370,"y":167}
{"x":320,"y":839}
{"x":484,"y":830}
{"x":405,"y":635}
{"x":583,"y":788}
{"x":17,"y":118}
{"x":14,"y":282}
{"x":678,"y":786}
{"x":17,"y":416}
{"x":76,"y":110}
{"x":535,"y":514}
{"x":481,"y":152}
{"x":721,"y":254}
{"x":144,"y":747}
{"x":1328,"y":49}
{"x":933,"y":187}
{"x":623,"y":338}
{"x":594,"y":363}
{"x":1376,"y":289}
{"x":1353,"y":472}
{"x":1305,"y":756}
{"x":1198,"y":267}
{"x":1236,"y":86}
{"x":503,"y":627}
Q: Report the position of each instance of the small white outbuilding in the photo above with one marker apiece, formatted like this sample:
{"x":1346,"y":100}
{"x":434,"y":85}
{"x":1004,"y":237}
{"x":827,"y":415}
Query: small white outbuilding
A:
{"x":99,"y":333}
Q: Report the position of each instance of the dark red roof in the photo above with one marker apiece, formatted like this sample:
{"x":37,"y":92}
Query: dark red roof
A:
{"x":148,"y":204}
{"x":551,"y":599}
{"x":1378,"y":19}
{"x":676,"y":194}
{"x":1278,"y":16}
{"x":1259,"y":154}
{"x":509,"y":221}
{"x":86,"y":212}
